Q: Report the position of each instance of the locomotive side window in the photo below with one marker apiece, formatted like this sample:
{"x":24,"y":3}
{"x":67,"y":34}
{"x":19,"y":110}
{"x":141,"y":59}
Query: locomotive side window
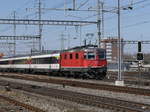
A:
{"x":77,"y":56}
{"x":65,"y":57}
{"x":85,"y":54}
{"x":71,"y":56}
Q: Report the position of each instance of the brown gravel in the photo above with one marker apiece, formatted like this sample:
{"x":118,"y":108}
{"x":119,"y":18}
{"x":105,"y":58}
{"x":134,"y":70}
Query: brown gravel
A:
{"x":49,"y":104}
{"x":54,"y":105}
{"x":7,"y":107}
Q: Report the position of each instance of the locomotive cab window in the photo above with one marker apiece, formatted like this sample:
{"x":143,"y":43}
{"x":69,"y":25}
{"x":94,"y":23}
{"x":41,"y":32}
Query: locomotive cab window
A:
{"x":89,"y":55}
{"x":101,"y":54}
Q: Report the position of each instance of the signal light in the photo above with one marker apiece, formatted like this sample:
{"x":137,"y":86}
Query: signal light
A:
{"x":140,"y":56}
{"x":139,"y":47}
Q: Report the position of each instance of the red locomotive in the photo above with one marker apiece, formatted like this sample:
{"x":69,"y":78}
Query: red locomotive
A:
{"x":84,"y":61}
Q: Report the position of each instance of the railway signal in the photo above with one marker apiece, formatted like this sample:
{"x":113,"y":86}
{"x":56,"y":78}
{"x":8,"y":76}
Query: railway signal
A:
{"x":140,"y":59}
{"x":139,"y":46}
{"x":140,"y":54}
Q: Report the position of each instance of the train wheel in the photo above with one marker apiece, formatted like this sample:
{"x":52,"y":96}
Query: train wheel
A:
{"x":86,"y":75}
{"x":76,"y":75}
{"x":101,"y":75}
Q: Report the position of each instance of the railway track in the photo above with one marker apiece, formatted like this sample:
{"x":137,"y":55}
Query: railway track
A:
{"x":120,"y":89}
{"x":17,"y":103}
{"x":131,"y":81}
{"x":132,"y":75}
{"x":131,"y":78}
{"x":102,"y":102}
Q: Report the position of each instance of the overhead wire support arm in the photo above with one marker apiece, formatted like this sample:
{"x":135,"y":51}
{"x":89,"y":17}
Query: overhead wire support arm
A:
{"x":45,"y":22}
{"x":6,"y":43}
{"x":127,"y":41}
{"x":4,"y":37}
{"x":136,"y":42}
{"x":69,"y":9}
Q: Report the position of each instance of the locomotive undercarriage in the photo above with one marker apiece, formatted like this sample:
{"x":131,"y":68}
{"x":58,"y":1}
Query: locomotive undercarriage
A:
{"x":96,"y":73}
{"x":84,"y":73}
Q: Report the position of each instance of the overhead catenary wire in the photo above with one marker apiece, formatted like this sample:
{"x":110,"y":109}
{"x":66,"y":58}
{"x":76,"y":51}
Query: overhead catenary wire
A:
{"x":137,"y":23}
{"x":82,"y":4}
{"x":132,"y":25}
{"x":139,"y":2}
{"x":137,"y":8}
{"x":90,"y":16}
{"x":21,"y":12}
{"x":108,"y":18}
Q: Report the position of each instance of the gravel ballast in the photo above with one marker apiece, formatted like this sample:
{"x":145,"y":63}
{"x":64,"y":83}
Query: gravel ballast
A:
{"x":51,"y":105}
{"x":47,"y":103}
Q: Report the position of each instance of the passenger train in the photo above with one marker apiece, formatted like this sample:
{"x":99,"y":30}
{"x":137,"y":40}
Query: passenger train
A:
{"x":84,"y":61}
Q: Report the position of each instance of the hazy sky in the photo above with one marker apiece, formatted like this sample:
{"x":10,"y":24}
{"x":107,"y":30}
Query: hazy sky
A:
{"x":135,"y":23}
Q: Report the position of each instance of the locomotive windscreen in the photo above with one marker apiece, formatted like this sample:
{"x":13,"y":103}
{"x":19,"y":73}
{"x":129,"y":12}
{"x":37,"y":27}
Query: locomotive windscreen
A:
{"x":101,"y":54}
{"x":89,"y":55}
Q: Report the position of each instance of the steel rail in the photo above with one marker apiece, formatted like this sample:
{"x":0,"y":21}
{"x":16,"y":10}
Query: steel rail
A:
{"x":17,"y":103}
{"x":113,"y":88}
{"x":92,"y":100}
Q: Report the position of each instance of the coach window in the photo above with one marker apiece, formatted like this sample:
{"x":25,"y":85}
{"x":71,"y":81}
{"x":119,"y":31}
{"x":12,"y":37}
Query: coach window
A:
{"x":71,"y":56}
{"x":77,"y":56}
{"x":34,"y":61}
{"x":4,"y":62}
{"x":18,"y":62}
{"x":65,"y":57}
{"x":54,"y":60}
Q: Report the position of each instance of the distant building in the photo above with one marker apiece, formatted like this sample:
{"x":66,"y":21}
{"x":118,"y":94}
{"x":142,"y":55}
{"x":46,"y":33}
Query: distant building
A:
{"x":111,"y":46}
{"x":1,"y":55}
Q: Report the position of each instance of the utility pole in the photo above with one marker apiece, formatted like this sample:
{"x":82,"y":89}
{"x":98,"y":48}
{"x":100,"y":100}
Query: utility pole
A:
{"x":38,"y":6}
{"x":119,"y":41}
{"x":40,"y":26}
{"x":119,"y":81}
{"x":62,"y":41}
{"x":102,"y":19}
{"x":98,"y":23}
{"x":140,"y":60}
{"x":74,"y":4}
{"x":80,"y":34}
{"x":14,"y":17}
{"x":68,"y":40}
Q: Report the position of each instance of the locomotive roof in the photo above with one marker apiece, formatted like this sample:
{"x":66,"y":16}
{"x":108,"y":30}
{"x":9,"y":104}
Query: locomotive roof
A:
{"x":82,"y":48}
{"x":50,"y":53}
